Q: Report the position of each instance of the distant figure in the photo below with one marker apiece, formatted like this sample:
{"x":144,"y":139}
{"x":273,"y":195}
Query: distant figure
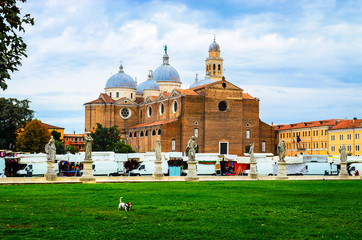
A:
{"x":191,"y":149}
{"x":88,"y":146}
{"x":281,"y":151}
{"x":50,"y":150}
{"x":356,"y":173}
{"x":343,"y":154}
{"x":251,"y":152}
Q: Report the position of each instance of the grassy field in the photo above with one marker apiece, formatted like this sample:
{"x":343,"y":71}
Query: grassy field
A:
{"x":182,"y":210}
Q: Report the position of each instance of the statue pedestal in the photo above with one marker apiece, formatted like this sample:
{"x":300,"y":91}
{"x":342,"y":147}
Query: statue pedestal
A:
{"x":50,"y":174}
{"x":253,"y":174}
{"x":282,"y":171}
{"x":158,"y":175}
{"x":87,"y":176}
{"x":343,"y":173}
{"x":191,"y":172}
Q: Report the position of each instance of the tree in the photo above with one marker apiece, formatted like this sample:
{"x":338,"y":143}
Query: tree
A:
{"x":72,"y":149}
{"x":59,"y":145}
{"x":12,"y":46}
{"x":108,"y":139}
{"x":34,"y":138}
{"x":14,"y":114}
{"x":56,"y":135}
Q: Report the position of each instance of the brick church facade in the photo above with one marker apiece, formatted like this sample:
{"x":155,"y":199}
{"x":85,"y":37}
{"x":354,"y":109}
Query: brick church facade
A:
{"x":219,"y":114}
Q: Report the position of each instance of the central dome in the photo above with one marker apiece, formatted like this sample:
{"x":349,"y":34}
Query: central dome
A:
{"x":166,"y":72}
{"x":214,"y":46}
{"x":121,"y":80}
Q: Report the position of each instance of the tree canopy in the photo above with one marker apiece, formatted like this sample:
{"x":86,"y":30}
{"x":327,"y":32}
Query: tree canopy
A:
{"x":14,"y":114}
{"x":108,"y":139}
{"x":34,"y":138}
{"x":12,"y":46}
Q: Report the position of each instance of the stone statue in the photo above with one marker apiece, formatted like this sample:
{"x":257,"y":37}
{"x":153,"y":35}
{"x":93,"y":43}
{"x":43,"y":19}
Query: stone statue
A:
{"x":281,"y":151}
{"x":50,"y":150}
{"x":158,"y":151}
{"x":251,"y":152}
{"x":343,"y":154}
{"x":88,"y":146}
{"x":191,"y":149}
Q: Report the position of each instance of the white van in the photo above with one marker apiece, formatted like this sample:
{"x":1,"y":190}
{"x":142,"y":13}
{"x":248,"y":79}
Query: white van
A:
{"x":320,"y":168}
{"x":354,"y":167}
{"x":106,"y":168}
{"x":206,"y":169}
{"x":265,"y":168}
{"x":148,"y":168}
{"x":36,"y":169}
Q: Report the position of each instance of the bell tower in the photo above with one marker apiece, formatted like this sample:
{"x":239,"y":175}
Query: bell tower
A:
{"x":214,"y":63}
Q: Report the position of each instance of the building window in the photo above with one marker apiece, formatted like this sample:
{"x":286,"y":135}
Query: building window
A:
{"x":349,"y":136}
{"x":263,"y":145}
{"x":141,"y":113}
{"x":141,"y":133}
{"x":247,"y":134}
{"x":333,"y":148}
{"x":135,"y":134}
{"x":117,"y":94}
{"x":153,"y":132}
{"x":173,"y":144}
{"x":349,"y":148}
{"x":293,"y":134}
{"x":222,"y":106}
{"x":131,"y":95}
{"x":66,"y":139}
{"x":125,"y":113}
{"x":162,"y":109}
{"x":247,"y":124}
{"x":80,"y":147}
{"x":110,"y":94}
{"x":357,"y":136}
{"x":333,"y":137}
{"x":357,"y":147}
{"x":149,"y":111}
{"x":146,"y":133}
{"x":159,"y":132}
{"x":340,"y":137}
{"x":321,"y":132}
{"x":174,"y":106}
{"x":130,"y":135}
{"x":196,"y":132}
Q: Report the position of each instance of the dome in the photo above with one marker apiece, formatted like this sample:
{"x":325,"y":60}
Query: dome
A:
{"x":121,"y":80}
{"x":150,"y":84}
{"x":197,"y":83}
{"x":166,"y":72}
{"x":214,"y":46}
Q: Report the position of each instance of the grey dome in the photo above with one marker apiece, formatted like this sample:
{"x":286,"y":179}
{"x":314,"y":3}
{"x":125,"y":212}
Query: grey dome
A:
{"x":214,"y":46}
{"x":150,"y":84}
{"x":166,"y":72}
{"x":197,"y":83}
{"x":121,"y":80}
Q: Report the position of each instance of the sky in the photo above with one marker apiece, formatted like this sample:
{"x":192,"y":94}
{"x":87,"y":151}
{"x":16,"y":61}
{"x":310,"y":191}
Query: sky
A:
{"x":301,"y":58}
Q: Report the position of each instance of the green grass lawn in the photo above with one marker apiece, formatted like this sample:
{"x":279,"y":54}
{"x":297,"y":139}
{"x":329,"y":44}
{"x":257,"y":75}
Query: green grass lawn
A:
{"x":182,"y":210}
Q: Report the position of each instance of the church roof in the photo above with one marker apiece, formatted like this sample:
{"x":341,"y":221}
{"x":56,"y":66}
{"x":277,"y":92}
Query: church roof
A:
{"x":187,"y":92}
{"x":103,"y":98}
{"x":121,"y":80}
{"x":156,"y":123}
{"x":247,"y":96}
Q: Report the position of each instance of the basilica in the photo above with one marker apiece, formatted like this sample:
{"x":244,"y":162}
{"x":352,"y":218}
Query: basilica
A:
{"x":222,"y":118}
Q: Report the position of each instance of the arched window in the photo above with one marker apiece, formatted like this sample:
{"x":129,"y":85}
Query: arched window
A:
{"x":149,"y":112}
{"x":135,"y":134}
{"x":131,"y":95}
{"x":174,"y":106}
{"x":219,"y":68}
{"x":141,"y":133}
{"x":141,"y":114}
{"x":214,"y":67}
{"x":146,"y":133}
{"x":130,"y":135}
{"x":153,"y":132}
{"x":110,"y":94}
{"x":162,"y":109}
{"x":159,"y":132}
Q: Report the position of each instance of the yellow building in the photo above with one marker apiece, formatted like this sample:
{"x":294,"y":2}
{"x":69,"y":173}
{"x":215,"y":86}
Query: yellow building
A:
{"x":349,"y":133}
{"x":307,"y":138}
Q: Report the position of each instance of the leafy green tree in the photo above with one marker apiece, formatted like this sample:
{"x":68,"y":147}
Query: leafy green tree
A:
{"x":56,"y":135}
{"x":12,"y":46}
{"x":14,"y":114}
{"x":59,"y":145}
{"x":72,"y":149}
{"x":34,"y":138}
{"x":108,"y":139}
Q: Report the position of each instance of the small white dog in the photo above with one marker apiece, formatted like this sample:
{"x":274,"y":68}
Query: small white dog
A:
{"x":124,"y":206}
